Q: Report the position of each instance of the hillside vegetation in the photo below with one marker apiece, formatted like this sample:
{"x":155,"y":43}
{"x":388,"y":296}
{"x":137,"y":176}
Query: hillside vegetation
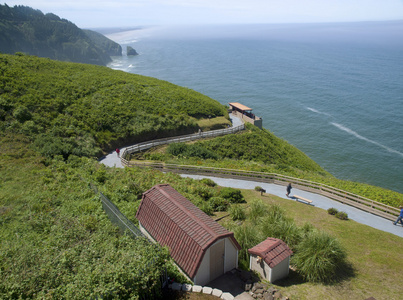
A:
{"x":23,"y":29}
{"x":56,"y":240}
{"x":260,"y":150}
{"x":67,"y":108}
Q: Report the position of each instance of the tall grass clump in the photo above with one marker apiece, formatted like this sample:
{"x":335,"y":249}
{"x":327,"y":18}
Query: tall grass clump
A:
{"x":237,"y":212}
{"x":318,"y":257}
{"x":247,"y":236}
{"x":257,"y":209}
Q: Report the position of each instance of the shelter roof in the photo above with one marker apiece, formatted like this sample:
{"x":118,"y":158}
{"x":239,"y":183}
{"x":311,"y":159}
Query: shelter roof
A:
{"x":240,"y":106}
{"x":272,"y":251}
{"x":174,"y":221}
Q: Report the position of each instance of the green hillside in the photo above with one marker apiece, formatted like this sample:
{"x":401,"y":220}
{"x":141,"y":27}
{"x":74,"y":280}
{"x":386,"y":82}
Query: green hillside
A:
{"x":67,"y":108}
{"x":56,"y":118}
{"x":23,"y":29}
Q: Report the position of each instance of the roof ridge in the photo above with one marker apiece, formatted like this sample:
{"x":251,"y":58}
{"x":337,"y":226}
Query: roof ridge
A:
{"x":186,"y":211}
{"x":277,"y":242}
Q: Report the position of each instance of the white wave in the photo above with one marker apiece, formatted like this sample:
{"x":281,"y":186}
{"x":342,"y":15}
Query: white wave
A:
{"x":352,"y":132}
{"x":318,"y":112}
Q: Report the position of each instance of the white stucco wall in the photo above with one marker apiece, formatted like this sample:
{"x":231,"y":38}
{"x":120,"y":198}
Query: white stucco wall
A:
{"x":281,"y":270}
{"x":278,"y":272}
{"x":203,"y":273}
{"x":231,"y":256}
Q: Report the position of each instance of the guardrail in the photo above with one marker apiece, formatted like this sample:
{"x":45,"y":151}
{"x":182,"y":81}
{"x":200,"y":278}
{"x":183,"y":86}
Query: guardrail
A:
{"x":178,"y":139}
{"x":365,"y":204}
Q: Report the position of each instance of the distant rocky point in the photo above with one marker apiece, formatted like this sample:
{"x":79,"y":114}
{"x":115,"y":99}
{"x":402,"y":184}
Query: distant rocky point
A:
{"x":131,"y":51}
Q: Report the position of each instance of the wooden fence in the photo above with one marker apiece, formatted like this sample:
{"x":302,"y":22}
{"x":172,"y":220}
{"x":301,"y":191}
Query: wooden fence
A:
{"x":179,"y":139}
{"x":365,"y":204}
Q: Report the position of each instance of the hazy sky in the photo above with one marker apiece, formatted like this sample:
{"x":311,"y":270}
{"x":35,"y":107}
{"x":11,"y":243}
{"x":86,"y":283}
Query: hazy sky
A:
{"x":108,"y":13}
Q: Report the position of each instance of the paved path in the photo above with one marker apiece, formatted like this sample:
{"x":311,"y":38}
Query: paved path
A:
{"x":113,"y":160}
{"x":318,"y":201}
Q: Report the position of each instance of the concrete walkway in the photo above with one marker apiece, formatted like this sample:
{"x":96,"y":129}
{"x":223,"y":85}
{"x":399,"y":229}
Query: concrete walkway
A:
{"x":113,"y":160}
{"x":318,"y":201}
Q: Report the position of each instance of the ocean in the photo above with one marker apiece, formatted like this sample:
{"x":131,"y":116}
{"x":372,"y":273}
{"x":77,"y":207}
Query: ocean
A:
{"x":335,"y":91}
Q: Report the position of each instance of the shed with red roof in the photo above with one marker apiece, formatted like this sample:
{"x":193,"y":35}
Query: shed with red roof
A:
{"x":201,"y":247}
{"x":271,"y":259}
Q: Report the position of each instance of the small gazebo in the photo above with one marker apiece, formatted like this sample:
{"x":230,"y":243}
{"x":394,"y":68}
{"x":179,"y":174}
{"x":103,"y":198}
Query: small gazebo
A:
{"x":245,"y":113}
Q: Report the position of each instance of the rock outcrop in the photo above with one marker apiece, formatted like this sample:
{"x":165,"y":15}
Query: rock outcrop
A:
{"x":131,"y":51}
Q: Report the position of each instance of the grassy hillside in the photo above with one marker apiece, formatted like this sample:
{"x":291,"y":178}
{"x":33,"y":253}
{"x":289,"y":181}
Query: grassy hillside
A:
{"x":67,"y":108}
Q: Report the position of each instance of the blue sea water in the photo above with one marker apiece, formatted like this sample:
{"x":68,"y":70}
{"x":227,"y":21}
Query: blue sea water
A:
{"x":335,"y":91}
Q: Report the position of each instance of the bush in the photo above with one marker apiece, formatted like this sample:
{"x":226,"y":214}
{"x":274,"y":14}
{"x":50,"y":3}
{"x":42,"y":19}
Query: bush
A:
{"x":208,"y":182}
{"x":258,"y":188}
{"x":318,"y":257}
{"x":257,"y":209}
{"x":219,"y":204}
{"x":342,"y":215}
{"x":247,"y":236}
{"x":207,"y":208}
{"x":232,"y":195}
{"x":332,"y":211}
{"x":237,"y":212}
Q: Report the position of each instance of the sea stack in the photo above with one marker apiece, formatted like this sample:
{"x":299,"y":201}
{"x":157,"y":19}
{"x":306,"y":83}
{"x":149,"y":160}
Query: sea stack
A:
{"x":131,"y":51}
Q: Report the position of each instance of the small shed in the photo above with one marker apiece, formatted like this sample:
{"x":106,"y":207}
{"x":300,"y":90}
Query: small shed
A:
{"x":271,"y":259}
{"x":201,"y":248}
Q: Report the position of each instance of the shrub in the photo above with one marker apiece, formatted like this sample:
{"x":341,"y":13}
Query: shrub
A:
{"x":342,"y":215}
{"x":332,"y":211}
{"x":283,"y":229}
{"x":237,"y":212}
{"x":208,"y":182}
{"x":22,"y":114}
{"x":232,"y":195}
{"x":318,"y":256}
{"x":257,"y":209}
{"x":258,"y":188}
{"x":247,"y":236}
{"x":219,"y":204}
{"x":176,"y":149}
{"x":207,"y":208}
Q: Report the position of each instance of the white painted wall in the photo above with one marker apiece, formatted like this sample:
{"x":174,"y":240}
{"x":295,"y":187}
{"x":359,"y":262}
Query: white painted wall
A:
{"x":278,"y":272}
{"x":203,"y":273}
{"x":231,"y":256}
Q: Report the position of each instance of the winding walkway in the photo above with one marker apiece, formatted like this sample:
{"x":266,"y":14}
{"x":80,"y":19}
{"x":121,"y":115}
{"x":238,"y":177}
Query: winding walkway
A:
{"x":113,"y":160}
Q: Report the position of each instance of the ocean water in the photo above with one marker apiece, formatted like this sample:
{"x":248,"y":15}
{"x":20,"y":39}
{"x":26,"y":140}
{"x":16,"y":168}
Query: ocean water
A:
{"x":335,"y":91}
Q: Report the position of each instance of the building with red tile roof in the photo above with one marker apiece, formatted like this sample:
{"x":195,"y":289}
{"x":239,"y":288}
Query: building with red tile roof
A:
{"x":271,"y":259}
{"x":201,"y":247}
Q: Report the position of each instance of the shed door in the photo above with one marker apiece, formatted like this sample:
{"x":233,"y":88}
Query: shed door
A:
{"x":217,"y":259}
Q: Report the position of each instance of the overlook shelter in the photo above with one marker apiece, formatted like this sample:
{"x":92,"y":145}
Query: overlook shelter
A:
{"x":245,"y":113}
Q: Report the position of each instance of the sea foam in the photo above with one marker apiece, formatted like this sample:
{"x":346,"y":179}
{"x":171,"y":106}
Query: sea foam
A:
{"x":352,"y":132}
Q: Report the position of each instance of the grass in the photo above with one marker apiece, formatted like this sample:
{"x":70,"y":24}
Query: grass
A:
{"x":375,"y":257}
{"x":213,"y":123}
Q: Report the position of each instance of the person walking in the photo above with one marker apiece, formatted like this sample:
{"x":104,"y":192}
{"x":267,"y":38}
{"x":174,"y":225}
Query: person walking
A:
{"x":400,"y":217}
{"x":118,"y":151}
{"x":289,"y":187}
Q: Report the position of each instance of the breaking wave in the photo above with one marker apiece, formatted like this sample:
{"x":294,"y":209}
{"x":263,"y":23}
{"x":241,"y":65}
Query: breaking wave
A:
{"x":352,"y":132}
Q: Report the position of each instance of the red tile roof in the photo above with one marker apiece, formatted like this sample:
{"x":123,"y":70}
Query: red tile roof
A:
{"x":174,"y":221}
{"x":272,"y":250}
